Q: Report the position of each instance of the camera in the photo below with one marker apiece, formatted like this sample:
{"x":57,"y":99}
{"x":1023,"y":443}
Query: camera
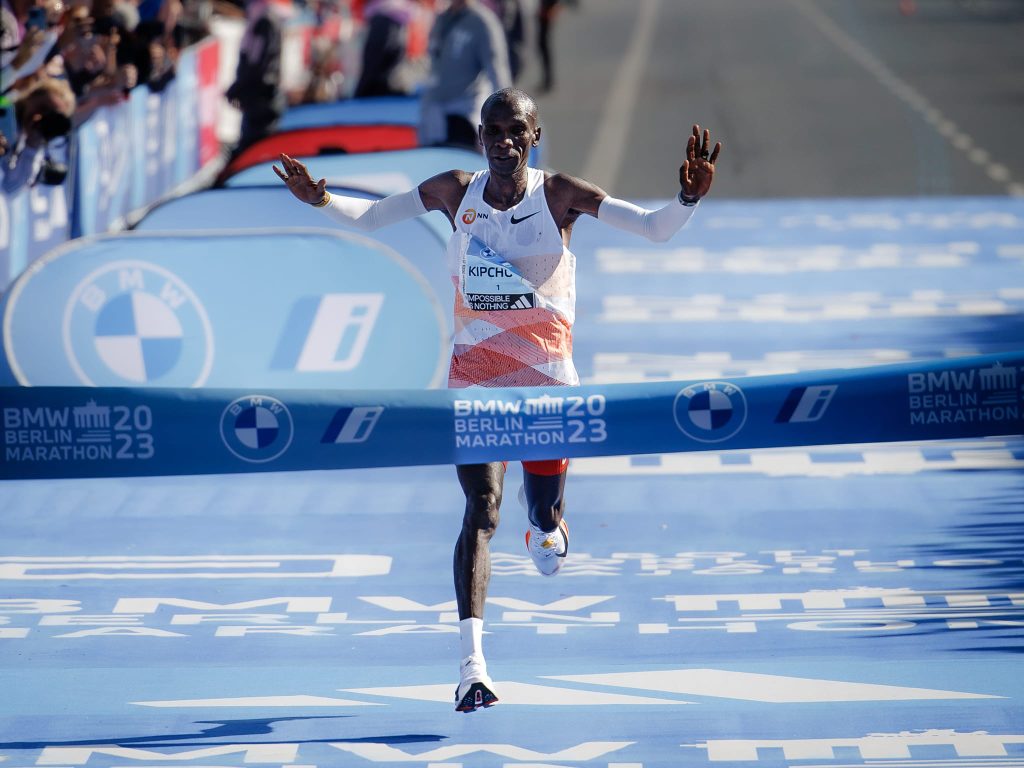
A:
{"x":37,"y":18}
{"x":52,"y":173}
{"x":54,"y":125}
{"x":103,"y":26}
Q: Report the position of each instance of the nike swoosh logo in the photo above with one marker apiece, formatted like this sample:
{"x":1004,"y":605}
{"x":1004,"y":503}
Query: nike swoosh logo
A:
{"x":516,"y":221}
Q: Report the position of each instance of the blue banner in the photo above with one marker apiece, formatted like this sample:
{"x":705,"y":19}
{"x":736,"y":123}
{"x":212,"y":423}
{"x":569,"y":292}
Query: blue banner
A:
{"x":134,"y":153}
{"x":382,"y":110}
{"x":262,"y":207}
{"x":106,"y":432}
{"x":383,"y":173}
{"x":283,"y":308}
{"x":125,"y":157}
{"x":32,"y":221}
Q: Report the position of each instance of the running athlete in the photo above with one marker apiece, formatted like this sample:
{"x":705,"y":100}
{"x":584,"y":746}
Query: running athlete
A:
{"x":521,"y":217}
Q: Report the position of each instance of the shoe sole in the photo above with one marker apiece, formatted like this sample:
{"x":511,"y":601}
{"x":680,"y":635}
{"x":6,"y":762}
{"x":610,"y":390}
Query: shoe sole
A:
{"x":565,"y":533}
{"x":479,"y":696}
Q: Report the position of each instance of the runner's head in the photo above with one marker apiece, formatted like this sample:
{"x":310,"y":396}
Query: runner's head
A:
{"x":509,"y":130}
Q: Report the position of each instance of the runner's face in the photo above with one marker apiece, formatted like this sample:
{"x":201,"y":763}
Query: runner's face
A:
{"x":507,"y":134}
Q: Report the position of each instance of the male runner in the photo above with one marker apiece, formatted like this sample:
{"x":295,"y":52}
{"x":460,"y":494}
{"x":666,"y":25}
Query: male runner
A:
{"x":525,"y":216}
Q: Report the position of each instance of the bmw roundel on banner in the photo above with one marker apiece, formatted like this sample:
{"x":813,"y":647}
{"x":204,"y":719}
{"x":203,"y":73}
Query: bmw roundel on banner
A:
{"x":284,"y":308}
{"x":128,"y":322}
{"x":257,"y":428}
{"x":710,"y":412}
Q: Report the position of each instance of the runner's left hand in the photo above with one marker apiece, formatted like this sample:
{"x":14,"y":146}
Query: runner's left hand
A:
{"x":299,"y":182}
{"x":698,"y":168}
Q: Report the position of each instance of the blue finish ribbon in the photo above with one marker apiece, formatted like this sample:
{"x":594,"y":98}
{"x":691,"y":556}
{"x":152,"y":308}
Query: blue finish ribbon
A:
{"x":51,"y":432}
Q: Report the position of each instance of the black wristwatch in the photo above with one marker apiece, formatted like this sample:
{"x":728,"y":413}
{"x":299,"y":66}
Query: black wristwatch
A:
{"x":689,"y":202}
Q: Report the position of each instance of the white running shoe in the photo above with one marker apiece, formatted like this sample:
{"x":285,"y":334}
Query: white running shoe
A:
{"x":474,"y":689}
{"x":548,"y":548}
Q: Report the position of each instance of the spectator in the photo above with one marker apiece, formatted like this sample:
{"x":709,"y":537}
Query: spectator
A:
{"x":384,"y":49}
{"x":142,"y":45}
{"x":91,"y":63}
{"x":161,"y":23}
{"x":256,"y":90}
{"x":325,"y":78}
{"x":468,"y":60}
{"x":44,"y":115}
{"x":28,"y":43}
{"x":510,"y":14}
{"x":13,"y":18}
{"x":546,"y":13}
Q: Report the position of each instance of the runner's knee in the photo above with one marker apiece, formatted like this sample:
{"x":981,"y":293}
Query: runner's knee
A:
{"x":482,"y":511}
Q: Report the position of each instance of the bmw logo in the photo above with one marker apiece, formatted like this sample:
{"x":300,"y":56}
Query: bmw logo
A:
{"x":710,"y":412}
{"x":134,"y":323}
{"x":256,"y":428}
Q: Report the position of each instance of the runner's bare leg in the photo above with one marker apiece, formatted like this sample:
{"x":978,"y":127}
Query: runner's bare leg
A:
{"x":482,"y":484}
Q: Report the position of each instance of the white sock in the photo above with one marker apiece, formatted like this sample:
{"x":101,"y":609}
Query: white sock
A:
{"x":471,"y":633}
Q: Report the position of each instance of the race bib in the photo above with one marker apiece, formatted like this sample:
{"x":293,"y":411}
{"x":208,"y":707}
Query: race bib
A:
{"x":490,"y":283}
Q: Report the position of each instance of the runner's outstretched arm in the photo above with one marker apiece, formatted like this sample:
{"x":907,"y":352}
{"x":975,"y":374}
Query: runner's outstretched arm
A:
{"x":695,"y":177}
{"x":366,"y":215}
{"x":439,"y":193}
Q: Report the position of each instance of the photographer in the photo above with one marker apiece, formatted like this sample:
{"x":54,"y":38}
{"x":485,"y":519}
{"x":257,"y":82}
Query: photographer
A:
{"x":44,"y":115}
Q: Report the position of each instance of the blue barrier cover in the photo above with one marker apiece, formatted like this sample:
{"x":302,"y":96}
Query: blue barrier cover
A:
{"x":32,"y":221}
{"x":382,"y":172}
{"x":76,"y":432}
{"x":134,"y":153}
{"x":385,"y":110}
{"x":260,"y":207}
{"x":278,"y":308}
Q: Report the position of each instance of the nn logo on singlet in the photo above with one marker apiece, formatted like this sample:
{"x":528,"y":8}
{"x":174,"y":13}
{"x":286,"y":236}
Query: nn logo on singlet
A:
{"x":472,"y":214}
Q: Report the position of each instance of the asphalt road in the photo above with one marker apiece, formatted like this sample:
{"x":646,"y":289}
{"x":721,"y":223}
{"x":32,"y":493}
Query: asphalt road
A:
{"x":811,"y":98}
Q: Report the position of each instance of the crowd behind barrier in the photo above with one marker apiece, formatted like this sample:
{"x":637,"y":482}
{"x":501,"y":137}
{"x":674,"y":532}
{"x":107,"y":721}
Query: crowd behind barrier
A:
{"x":94,"y":131}
{"x":124,"y":157}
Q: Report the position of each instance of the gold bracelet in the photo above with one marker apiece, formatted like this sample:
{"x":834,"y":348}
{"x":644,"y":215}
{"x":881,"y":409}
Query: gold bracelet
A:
{"x":325,"y":201}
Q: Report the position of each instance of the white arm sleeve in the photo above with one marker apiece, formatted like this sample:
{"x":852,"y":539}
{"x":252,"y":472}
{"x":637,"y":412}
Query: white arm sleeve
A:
{"x":369,"y":215}
{"x":657,"y":225}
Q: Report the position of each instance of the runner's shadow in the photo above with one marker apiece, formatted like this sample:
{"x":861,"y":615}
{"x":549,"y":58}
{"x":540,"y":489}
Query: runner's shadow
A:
{"x":224,"y":729}
{"x":987,"y":549}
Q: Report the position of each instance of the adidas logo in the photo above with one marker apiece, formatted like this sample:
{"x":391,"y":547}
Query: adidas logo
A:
{"x":523,"y":302}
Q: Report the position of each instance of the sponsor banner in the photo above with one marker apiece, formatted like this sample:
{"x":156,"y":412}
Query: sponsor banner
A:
{"x":264,"y":207}
{"x":134,"y":153}
{"x":75,"y":432}
{"x":105,"y":174}
{"x":32,"y":221}
{"x":267,"y":308}
{"x":210,"y":98}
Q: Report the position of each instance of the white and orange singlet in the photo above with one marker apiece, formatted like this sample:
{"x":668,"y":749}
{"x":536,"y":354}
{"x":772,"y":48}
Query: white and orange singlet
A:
{"x":515,"y":292}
